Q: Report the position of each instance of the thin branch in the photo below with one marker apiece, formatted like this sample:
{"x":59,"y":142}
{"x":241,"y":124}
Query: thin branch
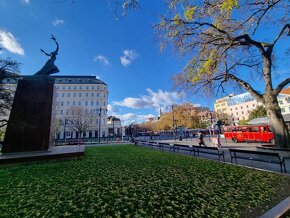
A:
{"x":281,"y":33}
{"x":246,"y":86}
{"x":278,"y":89}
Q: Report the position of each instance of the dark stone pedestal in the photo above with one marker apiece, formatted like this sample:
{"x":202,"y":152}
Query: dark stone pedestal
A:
{"x":30,"y":126}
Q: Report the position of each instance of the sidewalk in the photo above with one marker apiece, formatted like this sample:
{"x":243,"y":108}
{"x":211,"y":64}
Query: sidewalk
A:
{"x":226,"y":146}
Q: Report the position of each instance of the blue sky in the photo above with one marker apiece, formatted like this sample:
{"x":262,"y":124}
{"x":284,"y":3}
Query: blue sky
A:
{"x":93,"y":40}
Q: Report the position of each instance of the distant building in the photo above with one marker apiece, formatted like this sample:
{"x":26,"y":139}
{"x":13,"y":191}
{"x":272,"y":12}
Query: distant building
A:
{"x":114,"y":126}
{"x":88,"y":93}
{"x":221,"y":105}
{"x":284,"y":100}
{"x":239,"y":107}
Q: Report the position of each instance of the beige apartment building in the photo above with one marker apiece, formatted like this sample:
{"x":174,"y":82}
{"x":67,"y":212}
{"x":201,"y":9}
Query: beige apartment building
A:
{"x":80,"y":99}
{"x":221,"y":105}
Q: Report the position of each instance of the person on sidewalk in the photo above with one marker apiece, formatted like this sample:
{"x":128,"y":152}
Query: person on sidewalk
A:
{"x":219,"y":141}
{"x":200,"y":139}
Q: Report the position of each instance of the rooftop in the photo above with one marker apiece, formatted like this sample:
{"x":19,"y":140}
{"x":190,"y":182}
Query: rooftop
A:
{"x":77,"y":80}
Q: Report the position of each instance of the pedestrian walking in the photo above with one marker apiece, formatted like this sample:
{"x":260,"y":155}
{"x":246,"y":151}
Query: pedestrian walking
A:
{"x":219,"y":141}
{"x":200,"y":139}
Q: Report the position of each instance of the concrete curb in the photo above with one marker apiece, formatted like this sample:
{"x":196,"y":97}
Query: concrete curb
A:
{"x":280,"y":210}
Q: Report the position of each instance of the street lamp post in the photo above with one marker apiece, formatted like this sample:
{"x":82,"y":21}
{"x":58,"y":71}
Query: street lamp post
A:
{"x":113,"y":128}
{"x":173,"y":123}
{"x":64,"y":134}
{"x":100,"y":114}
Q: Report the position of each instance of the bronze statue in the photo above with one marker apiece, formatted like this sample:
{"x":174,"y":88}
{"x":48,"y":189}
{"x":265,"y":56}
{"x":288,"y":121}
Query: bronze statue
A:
{"x":49,"y":67}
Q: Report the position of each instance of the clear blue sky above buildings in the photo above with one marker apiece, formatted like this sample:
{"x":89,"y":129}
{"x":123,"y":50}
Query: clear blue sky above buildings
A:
{"x":94,"y":40}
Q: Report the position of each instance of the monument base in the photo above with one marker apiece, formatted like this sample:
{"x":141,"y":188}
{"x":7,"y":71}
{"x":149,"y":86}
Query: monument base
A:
{"x":30,"y":126}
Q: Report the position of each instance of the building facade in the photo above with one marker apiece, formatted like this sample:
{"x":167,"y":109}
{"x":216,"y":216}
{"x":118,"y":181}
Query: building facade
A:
{"x":238,"y":107}
{"x":81,"y":107}
{"x":114,"y":126}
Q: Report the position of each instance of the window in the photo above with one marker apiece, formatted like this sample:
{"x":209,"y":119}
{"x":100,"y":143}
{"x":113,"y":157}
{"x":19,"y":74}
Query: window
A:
{"x":74,"y":94}
{"x":92,"y":103}
{"x":247,"y":106}
{"x":236,"y":108}
{"x":98,"y":94}
{"x":98,"y":87}
{"x":61,"y":103}
{"x":67,"y":103}
{"x":255,"y":129}
{"x":87,"y":87}
{"x":61,"y":112}
{"x":80,"y":103}
{"x":92,"y":94}
{"x":80,"y":94}
{"x":68,"y":94}
{"x":104,"y":103}
{"x":87,"y":94}
{"x":93,"y":87}
{"x":282,"y":110}
{"x":242,"y":112}
{"x":254,"y":105}
{"x":86,"y":103}
{"x":280,"y":101}
{"x":231,"y":109}
{"x":74,"y":103}
{"x":81,"y":87}
{"x":62,"y":94}
{"x":57,"y":87}
{"x":63,"y":87}
{"x":75,"y":87}
{"x":237,"y":113}
{"x":69,"y":87}
{"x":97,"y":103}
{"x":241,"y":107}
{"x":104,"y":95}
{"x":58,"y":94}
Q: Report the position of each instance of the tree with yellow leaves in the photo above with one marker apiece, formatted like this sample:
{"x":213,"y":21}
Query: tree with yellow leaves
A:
{"x":230,"y":42}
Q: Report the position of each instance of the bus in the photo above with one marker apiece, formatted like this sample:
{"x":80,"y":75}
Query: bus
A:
{"x":258,"y":133}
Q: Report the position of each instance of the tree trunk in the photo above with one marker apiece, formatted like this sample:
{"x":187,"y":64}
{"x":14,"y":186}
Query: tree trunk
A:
{"x":277,"y":124}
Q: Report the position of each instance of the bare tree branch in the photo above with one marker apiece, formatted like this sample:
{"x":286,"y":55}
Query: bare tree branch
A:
{"x":278,"y":89}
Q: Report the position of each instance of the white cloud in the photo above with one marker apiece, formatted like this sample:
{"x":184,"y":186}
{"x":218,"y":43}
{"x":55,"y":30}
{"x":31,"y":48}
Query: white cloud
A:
{"x":9,"y":42}
{"x":57,"y":22}
{"x":128,"y":57}
{"x":129,"y":118}
{"x":152,"y":100}
{"x":25,"y":1}
{"x":112,"y":109}
{"x":102,"y":59}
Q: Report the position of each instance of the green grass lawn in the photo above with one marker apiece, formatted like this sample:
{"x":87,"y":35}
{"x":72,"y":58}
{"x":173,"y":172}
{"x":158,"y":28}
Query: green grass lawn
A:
{"x":126,"y":180}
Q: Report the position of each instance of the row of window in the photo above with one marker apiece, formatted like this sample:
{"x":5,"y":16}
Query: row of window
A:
{"x":95,"y":111}
{"x":247,"y":106}
{"x":287,"y":100}
{"x":283,"y":110}
{"x":242,"y":112}
{"x":80,"y":103}
{"x":80,"y":94}
{"x":75,"y":87}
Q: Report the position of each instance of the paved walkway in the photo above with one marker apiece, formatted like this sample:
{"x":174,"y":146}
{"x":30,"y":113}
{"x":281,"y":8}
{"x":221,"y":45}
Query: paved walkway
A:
{"x":226,"y":146}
